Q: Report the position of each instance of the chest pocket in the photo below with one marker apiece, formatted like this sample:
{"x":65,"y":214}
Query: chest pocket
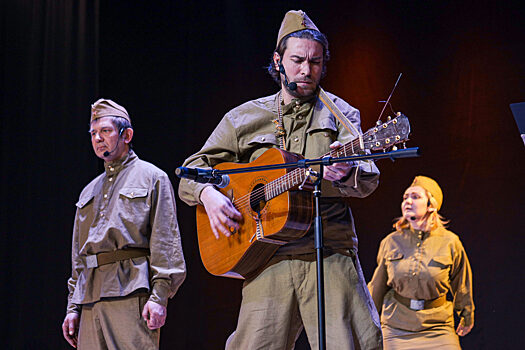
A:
{"x":393,"y":259}
{"x":259,"y":144}
{"x":442,"y":261}
{"x":133,"y":203}
{"x":320,"y":137}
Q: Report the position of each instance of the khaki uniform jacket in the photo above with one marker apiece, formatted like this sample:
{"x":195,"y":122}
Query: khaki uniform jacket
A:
{"x":130,"y":205}
{"x":424,"y":266}
{"x":247,"y":131}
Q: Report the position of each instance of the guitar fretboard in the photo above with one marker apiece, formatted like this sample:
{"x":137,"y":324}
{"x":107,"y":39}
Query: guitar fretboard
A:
{"x":297,"y":176}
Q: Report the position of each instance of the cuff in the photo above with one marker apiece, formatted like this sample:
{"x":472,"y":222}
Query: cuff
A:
{"x":73,"y":308}
{"x":467,"y":320}
{"x":160,"y":292}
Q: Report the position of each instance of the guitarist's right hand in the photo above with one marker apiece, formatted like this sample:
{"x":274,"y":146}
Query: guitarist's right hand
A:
{"x":224,"y":217}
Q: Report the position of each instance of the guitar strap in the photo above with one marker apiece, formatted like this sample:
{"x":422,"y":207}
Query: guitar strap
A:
{"x":332,"y":107}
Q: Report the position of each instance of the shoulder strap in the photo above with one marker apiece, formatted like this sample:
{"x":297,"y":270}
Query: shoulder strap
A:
{"x":337,"y":113}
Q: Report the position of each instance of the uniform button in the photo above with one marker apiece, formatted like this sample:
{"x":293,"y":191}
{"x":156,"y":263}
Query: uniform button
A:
{"x":413,"y":273}
{"x":106,"y":195}
{"x":111,"y":168}
{"x":296,"y":139}
{"x":102,"y":214}
{"x":110,"y":179}
{"x":299,"y":117}
{"x":131,"y":194}
{"x":263,"y":139}
{"x":325,"y":134}
{"x":418,"y":244}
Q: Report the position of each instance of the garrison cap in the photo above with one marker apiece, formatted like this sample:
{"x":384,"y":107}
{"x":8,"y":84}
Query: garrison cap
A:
{"x":294,"y":21}
{"x":108,"y":108}
{"x":431,"y":186}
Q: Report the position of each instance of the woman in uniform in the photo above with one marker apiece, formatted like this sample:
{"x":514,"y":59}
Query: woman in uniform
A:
{"x":423,"y":276}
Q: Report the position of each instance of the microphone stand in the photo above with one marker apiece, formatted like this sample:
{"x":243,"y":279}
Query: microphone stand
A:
{"x":318,"y":243}
{"x":318,"y":228}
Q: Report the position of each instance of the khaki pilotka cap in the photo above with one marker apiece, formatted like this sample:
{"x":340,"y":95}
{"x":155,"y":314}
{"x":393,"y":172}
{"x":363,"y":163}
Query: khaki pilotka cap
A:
{"x":108,"y":108}
{"x":431,"y":186}
{"x":294,"y":21}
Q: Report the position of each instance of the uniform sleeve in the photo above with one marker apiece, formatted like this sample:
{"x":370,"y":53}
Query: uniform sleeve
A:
{"x":363,"y":179}
{"x":167,"y":265}
{"x":76,"y":266}
{"x":221,"y":146}
{"x":461,"y":284}
{"x":378,"y":284}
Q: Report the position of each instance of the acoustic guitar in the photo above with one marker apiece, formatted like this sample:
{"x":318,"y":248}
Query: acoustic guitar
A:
{"x":275,"y":211}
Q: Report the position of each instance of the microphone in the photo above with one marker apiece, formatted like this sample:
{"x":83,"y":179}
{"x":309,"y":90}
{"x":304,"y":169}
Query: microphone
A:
{"x":107,"y":153}
{"x":203,"y":176}
{"x":291,"y":86}
{"x":413,"y":218}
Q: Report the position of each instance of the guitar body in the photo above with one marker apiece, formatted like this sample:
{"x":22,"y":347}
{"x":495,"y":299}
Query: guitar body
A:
{"x":282,"y":219}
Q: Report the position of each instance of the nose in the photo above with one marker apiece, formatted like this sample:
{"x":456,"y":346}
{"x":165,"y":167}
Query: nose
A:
{"x":98,"y":138}
{"x":305,"y":69}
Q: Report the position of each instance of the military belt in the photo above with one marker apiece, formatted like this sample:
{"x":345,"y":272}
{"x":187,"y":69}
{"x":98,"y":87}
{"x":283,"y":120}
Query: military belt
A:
{"x":96,"y":260}
{"x":417,"y":305}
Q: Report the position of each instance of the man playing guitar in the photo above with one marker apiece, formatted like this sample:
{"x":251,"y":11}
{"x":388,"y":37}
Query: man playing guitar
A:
{"x":279,"y":297}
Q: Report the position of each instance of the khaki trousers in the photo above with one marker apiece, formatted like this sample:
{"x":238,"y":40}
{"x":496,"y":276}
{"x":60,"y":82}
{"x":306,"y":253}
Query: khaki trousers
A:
{"x":282,"y":299}
{"x":116,"y":324}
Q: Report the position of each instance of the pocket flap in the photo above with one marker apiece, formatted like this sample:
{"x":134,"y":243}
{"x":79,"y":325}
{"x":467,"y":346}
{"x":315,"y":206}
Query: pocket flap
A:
{"x":84,"y":200}
{"x":264,"y":138}
{"x":323,"y":124}
{"x":444,"y":260}
{"x":135,"y":192}
{"x":394,"y":255}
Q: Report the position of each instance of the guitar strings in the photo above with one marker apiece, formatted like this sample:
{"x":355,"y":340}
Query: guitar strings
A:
{"x":244,"y":201}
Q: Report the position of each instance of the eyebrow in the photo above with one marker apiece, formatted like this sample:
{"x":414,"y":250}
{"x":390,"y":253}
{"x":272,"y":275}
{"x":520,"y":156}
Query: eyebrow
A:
{"x":304,"y":57}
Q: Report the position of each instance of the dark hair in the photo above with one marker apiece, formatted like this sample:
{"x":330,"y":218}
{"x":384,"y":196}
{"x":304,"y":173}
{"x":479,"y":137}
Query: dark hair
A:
{"x":301,"y":34}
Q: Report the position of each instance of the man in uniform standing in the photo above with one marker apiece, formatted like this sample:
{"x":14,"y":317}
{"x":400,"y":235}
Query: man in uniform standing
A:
{"x":280,"y":300}
{"x":126,"y":255}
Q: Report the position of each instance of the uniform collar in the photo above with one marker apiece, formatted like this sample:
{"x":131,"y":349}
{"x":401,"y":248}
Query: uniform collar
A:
{"x":419,"y":233}
{"x":114,"y":167}
{"x":300,"y":104}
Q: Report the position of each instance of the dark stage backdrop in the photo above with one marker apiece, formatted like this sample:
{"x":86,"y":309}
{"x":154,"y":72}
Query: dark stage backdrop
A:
{"x":179,"y":66}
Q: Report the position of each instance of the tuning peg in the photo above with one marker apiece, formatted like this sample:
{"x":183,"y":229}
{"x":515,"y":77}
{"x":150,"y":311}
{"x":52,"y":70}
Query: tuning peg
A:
{"x":389,"y":118}
{"x":394,"y":148}
{"x":398,"y":114}
{"x":378,"y":122}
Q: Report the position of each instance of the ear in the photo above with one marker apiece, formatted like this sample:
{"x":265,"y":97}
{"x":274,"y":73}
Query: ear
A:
{"x":127,"y":135}
{"x":432,"y":204}
{"x":276,"y":60}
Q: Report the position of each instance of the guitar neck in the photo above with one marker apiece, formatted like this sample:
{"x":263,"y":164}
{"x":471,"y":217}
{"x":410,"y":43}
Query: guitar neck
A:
{"x":298,"y":176}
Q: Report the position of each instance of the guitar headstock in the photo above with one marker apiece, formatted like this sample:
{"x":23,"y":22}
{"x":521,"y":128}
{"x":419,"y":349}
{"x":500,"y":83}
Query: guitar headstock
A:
{"x":388,"y":134}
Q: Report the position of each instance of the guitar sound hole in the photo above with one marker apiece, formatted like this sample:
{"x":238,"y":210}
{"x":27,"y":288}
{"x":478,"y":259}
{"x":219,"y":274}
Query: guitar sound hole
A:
{"x":257,"y":200}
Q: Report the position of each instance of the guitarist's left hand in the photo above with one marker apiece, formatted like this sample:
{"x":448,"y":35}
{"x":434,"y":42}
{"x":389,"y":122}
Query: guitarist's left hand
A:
{"x":337,"y":171}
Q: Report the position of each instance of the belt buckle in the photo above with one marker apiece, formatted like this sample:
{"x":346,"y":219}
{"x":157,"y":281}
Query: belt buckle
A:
{"x":417,"y":305}
{"x":92,"y":261}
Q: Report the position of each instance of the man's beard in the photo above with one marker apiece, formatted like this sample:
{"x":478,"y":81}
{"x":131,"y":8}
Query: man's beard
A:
{"x":295,"y":93}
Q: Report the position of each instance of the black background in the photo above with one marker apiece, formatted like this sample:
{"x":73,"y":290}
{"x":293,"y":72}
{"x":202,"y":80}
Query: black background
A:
{"x":179,"y":66}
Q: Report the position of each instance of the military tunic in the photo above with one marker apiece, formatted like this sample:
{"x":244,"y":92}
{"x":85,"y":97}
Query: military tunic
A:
{"x":130,"y":205}
{"x":422,"y":266}
{"x":281,"y":299}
